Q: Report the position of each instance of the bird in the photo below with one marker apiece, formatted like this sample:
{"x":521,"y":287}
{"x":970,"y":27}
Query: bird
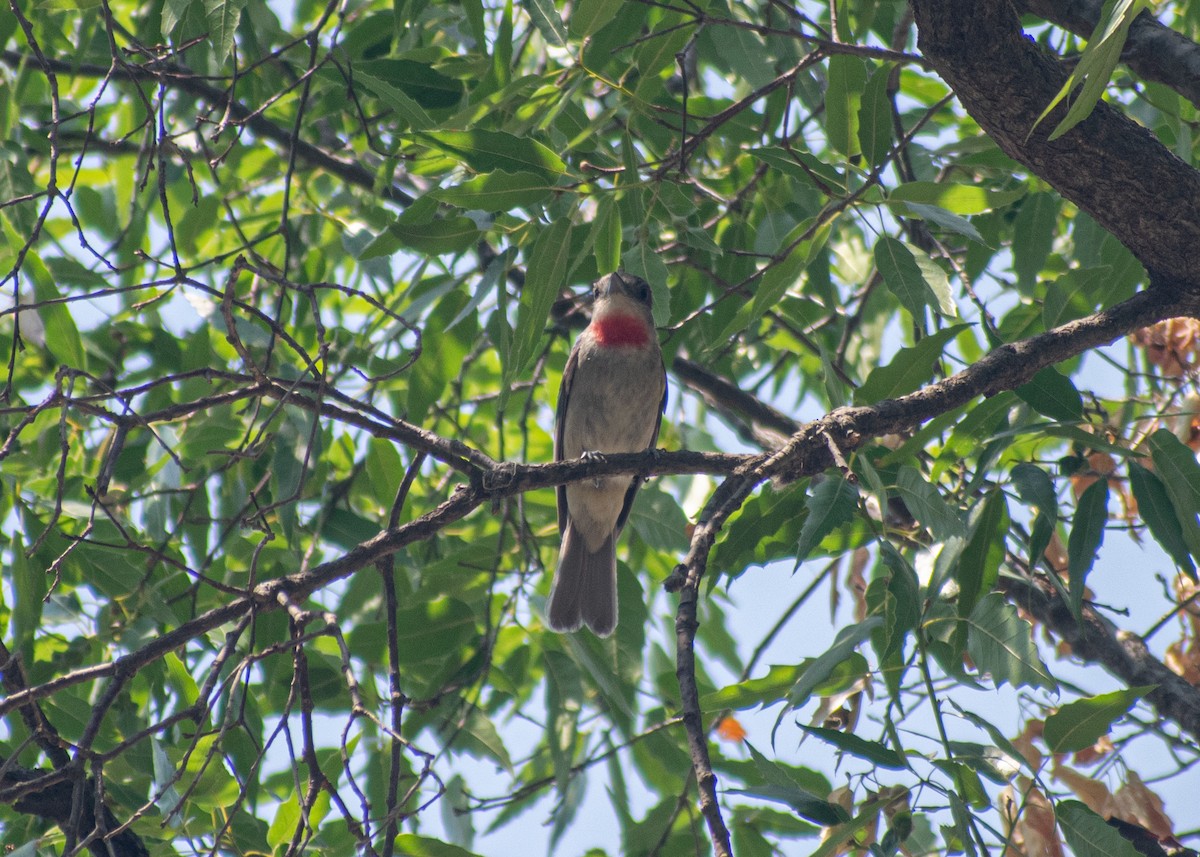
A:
{"x":612,"y":398}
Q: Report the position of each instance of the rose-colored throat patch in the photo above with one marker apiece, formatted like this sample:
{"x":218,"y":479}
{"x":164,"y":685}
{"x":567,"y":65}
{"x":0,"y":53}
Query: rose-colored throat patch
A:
{"x":620,"y":329}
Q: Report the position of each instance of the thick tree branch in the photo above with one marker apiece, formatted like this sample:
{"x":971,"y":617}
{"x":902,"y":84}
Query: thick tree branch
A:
{"x":1122,"y":653}
{"x":1108,"y":165}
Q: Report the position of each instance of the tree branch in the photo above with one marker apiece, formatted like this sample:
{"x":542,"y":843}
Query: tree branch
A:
{"x":1108,"y":165}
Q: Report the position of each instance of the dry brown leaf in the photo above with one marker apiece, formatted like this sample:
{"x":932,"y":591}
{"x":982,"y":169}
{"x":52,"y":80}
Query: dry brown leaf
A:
{"x":1090,"y":790}
{"x":1134,"y":802}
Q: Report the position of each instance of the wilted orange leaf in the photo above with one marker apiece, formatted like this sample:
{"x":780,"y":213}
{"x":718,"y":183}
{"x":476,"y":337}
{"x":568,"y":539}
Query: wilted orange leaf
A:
{"x":731,"y":730}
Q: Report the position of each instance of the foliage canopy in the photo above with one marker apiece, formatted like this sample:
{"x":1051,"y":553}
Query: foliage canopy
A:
{"x":289,"y":288}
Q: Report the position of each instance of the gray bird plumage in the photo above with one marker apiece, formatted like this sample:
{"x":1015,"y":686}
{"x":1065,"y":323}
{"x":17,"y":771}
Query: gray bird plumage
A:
{"x":612,"y":399}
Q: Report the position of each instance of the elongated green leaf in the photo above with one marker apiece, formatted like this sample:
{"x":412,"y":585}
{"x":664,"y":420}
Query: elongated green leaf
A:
{"x":1176,"y":465}
{"x":29,"y":592}
{"x":588,"y":16}
{"x":62,"y":335}
{"x":802,"y":166}
{"x":498,"y":191}
{"x":451,"y":235}
{"x":1095,"y":67}
{"x":979,"y":565}
{"x":487,"y":151}
{"x":873,"y":751}
{"x":875,"y":116}
{"x":848,"y":639}
{"x":546,"y":18}
{"x":779,"y":278}
{"x":1087,"y":534}
{"x":1033,"y":236}
{"x":1051,"y":393}
{"x":1088,"y":834}
{"x":1036,"y":488}
{"x":831,"y":504}
{"x":908,"y":370}
{"x":753,"y":692}
{"x":1074,"y":295}
{"x":419,"y":81}
{"x":846,"y":78}
{"x":927,"y":505}
{"x":913,"y":277}
{"x":955,"y":198}
{"x":945,"y":219}
{"x":1082,"y":723}
{"x":545,"y":277}
{"x":1155,"y":508}
{"x":1001,"y":643}
{"x":644,"y":261}
{"x":223,"y":17}
{"x":607,"y":228}
{"x":777,"y":784}
{"x":412,"y":845}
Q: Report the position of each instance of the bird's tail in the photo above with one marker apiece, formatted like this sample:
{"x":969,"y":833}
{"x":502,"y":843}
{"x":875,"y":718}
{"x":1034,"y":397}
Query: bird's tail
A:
{"x":585,"y":586}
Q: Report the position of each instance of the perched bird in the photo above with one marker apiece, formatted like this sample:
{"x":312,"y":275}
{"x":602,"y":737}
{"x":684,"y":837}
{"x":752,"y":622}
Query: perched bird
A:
{"x":613,"y":394}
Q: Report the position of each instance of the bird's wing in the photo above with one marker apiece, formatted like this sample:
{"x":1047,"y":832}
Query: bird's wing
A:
{"x":637,"y":480}
{"x":560,"y":421}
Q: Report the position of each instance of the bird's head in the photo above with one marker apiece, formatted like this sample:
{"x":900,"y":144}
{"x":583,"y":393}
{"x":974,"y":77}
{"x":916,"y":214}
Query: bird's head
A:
{"x":622,"y":311}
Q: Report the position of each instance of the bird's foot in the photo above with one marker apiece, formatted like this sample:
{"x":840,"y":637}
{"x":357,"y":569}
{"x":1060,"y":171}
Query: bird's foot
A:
{"x":593,"y":455}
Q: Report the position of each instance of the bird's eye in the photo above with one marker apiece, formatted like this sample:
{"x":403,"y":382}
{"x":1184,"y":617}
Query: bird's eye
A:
{"x":643,"y":292}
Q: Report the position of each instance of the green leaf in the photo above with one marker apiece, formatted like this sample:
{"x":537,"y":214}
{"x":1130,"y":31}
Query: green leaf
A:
{"x":1036,"y":488}
{"x":847,"y":641}
{"x":488,"y":151}
{"x":846,"y":78}
{"x":955,"y":198}
{"x":914,"y":278}
{"x":927,"y":505}
{"x":589,"y":16}
{"x":1155,"y":508}
{"x":1074,"y":295}
{"x":753,"y":692}
{"x":802,"y":166}
{"x":1082,"y":723}
{"x":412,"y":845}
{"x":62,"y":336}
{"x":777,"y":784}
{"x":1001,"y":643}
{"x":1087,"y":534}
{"x":498,"y":191}
{"x":222,"y":17}
{"x":1090,"y":77}
{"x":979,"y":565}
{"x":431,"y":631}
{"x":643,"y":261}
{"x":908,"y":370}
{"x":419,"y":81}
{"x":606,"y":228}
{"x":781,"y":277}
{"x":546,"y":18}
{"x":1052,"y":394}
{"x":1176,"y":465}
{"x":1033,"y":236}
{"x":832,"y":503}
{"x":546,"y":272}
{"x":945,"y":219}
{"x":1088,"y":834}
{"x":872,"y":751}
{"x":875,"y":117}
{"x":29,"y":592}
